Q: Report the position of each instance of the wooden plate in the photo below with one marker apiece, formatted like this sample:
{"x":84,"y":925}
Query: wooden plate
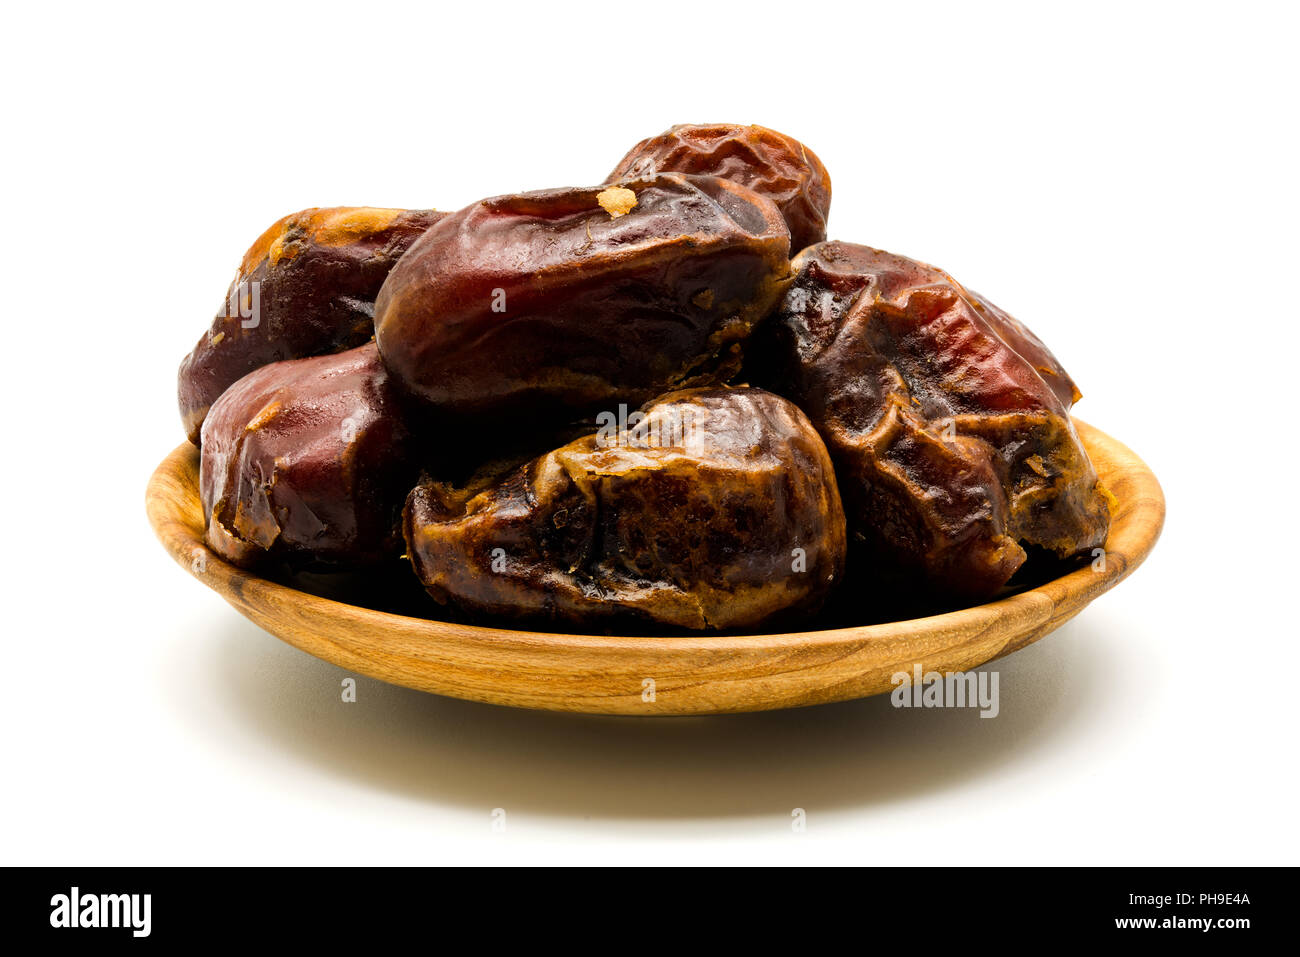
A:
{"x":691,"y":675}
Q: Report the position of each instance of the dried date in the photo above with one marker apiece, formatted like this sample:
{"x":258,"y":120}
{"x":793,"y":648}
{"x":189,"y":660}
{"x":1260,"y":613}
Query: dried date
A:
{"x":307,"y":460}
{"x":307,"y":287}
{"x":715,"y":508}
{"x":948,"y":419}
{"x":574,"y":299}
{"x":770,"y":163}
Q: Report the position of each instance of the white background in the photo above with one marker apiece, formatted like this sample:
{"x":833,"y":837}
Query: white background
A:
{"x":1122,"y":177}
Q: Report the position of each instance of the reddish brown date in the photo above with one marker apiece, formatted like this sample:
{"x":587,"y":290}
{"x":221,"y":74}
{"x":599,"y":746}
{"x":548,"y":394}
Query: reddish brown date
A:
{"x":718,"y":509}
{"x":307,"y":287}
{"x":770,"y":163}
{"x":579,"y":298}
{"x":948,"y":420}
{"x":307,"y":461}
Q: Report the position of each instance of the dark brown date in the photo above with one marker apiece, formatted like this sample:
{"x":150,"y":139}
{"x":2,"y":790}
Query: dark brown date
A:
{"x":307,"y":287}
{"x":948,"y":420}
{"x":579,"y":298}
{"x":307,"y":461}
{"x":770,"y":163}
{"x":717,"y":509}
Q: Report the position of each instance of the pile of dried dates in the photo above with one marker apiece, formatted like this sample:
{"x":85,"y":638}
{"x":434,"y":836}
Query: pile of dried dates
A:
{"x":664,"y":401}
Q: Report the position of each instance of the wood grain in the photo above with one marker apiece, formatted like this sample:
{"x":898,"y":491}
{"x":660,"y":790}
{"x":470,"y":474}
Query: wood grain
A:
{"x":692,"y":675}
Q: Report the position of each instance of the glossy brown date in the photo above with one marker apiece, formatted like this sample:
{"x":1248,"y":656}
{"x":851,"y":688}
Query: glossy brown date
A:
{"x":308,"y":461}
{"x":948,"y":420}
{"x":574,"y":299}
{"x":307,"y":287}
{"x":770,"y":163}
{"x":718,"y":509}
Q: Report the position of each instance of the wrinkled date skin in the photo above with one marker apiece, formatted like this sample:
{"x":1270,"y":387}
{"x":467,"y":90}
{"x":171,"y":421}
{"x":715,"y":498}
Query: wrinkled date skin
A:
{"x":770,"y":163}
{"x":948,"y":420}
{"x":717,"y":510}
{"x":307,"y":287}
{"x":307,"y":461}
{"x":578,"y":298}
